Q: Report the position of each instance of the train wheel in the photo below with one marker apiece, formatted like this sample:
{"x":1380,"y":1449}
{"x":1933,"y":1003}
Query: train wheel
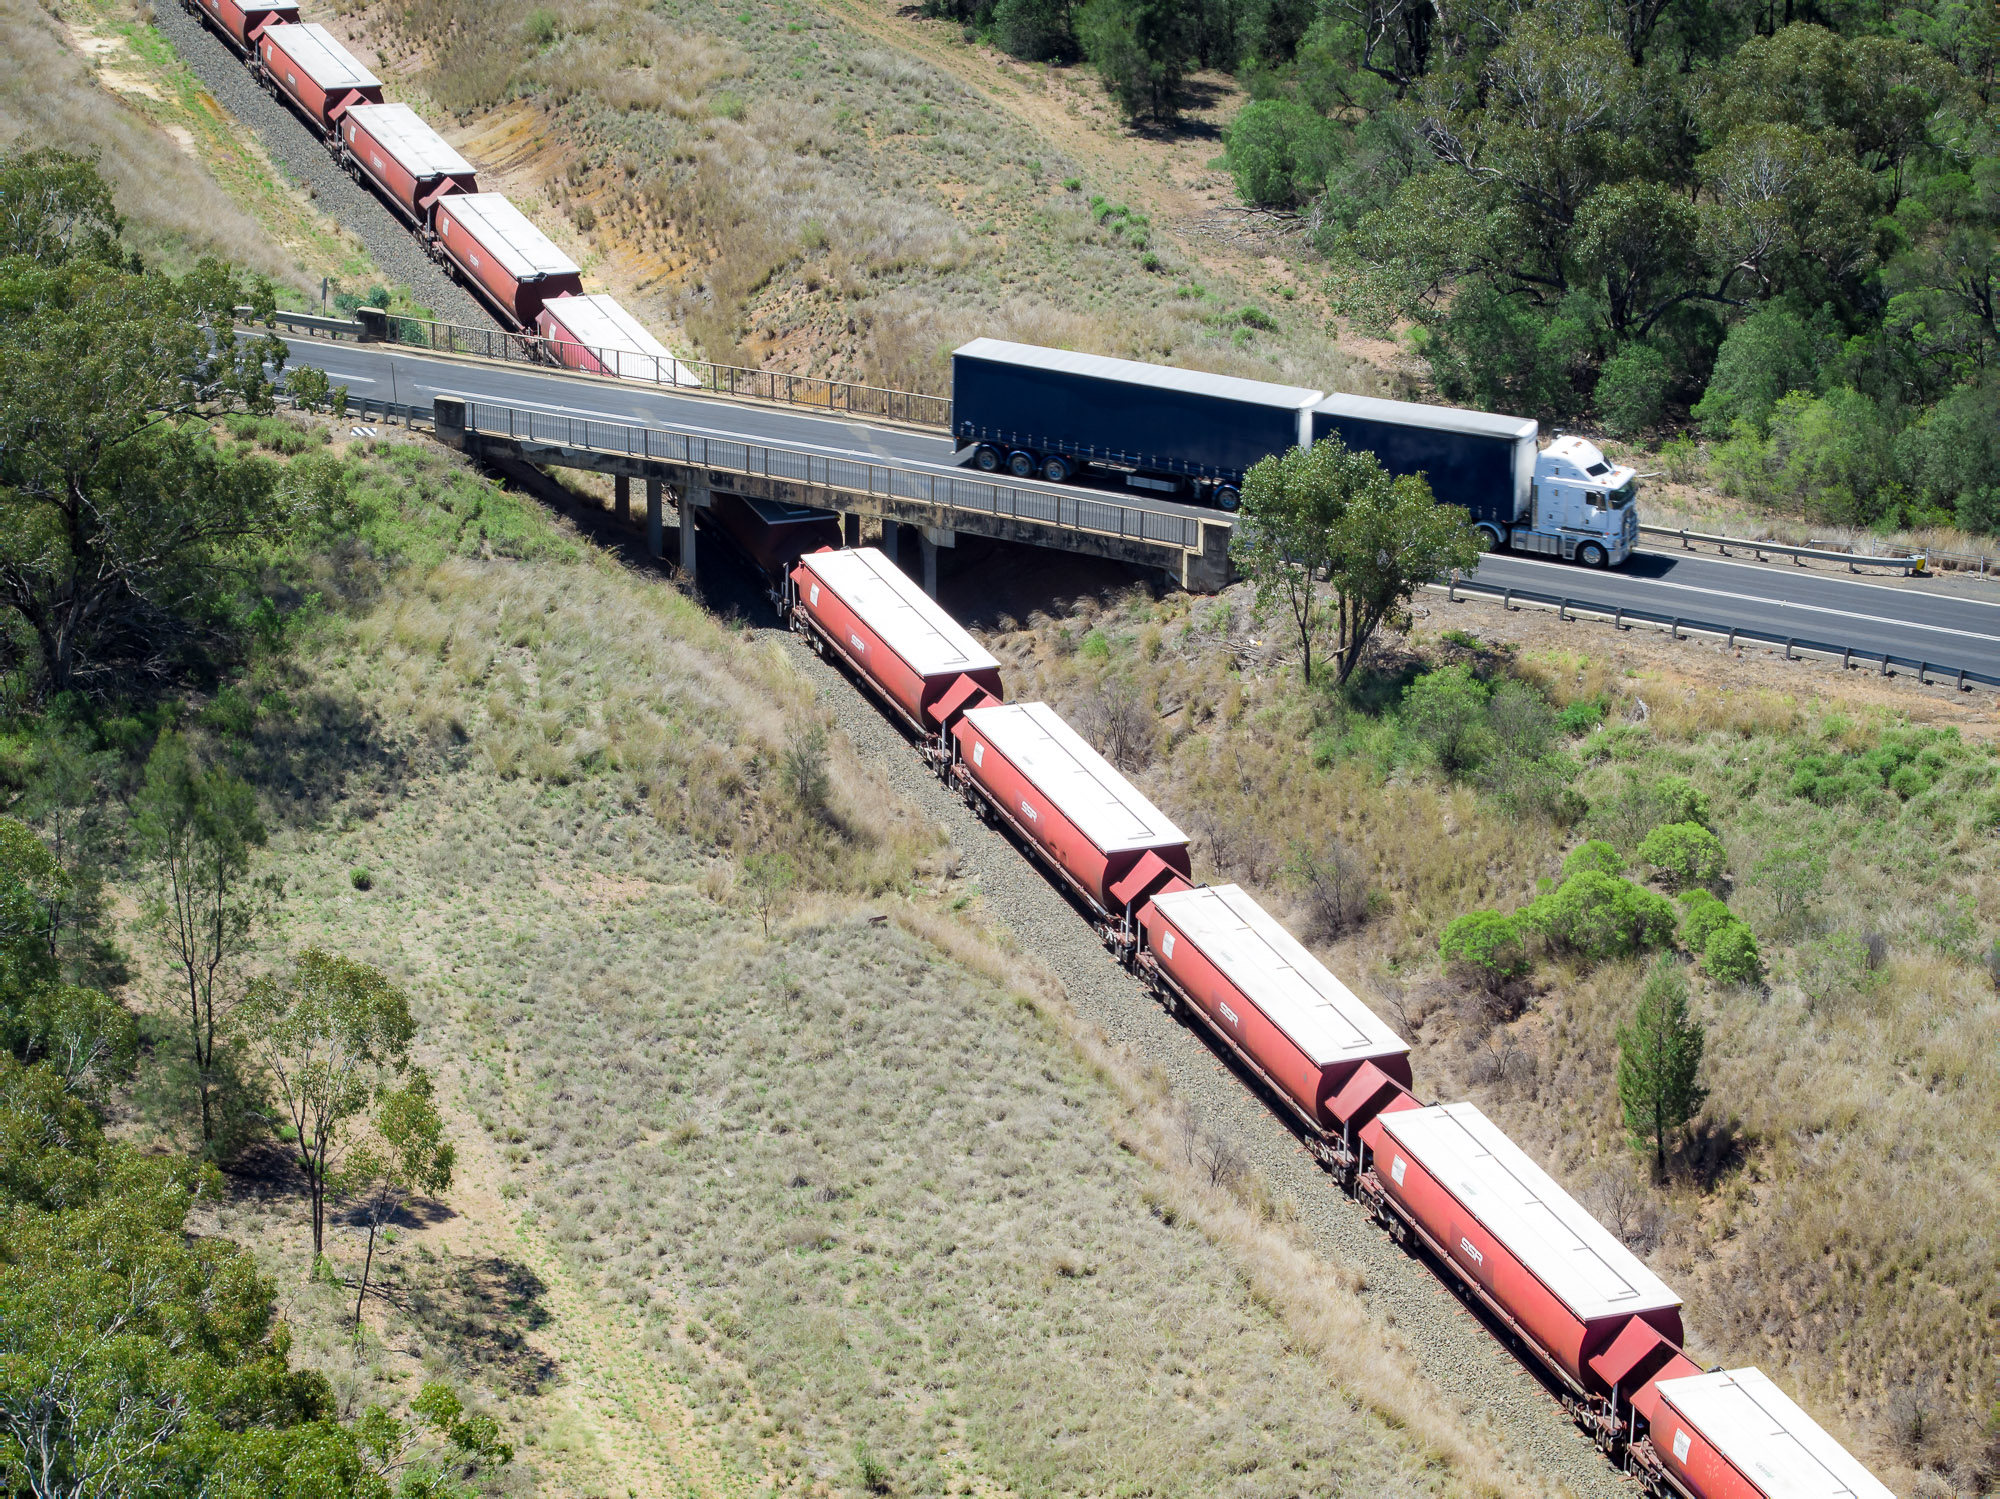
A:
{"x":1021,"y":464}
{"x":986,"y":458}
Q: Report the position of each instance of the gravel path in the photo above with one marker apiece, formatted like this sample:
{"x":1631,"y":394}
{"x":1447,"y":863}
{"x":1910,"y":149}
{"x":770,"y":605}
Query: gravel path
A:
{"x":1453,"y":1348}
{"x":299,"y":153}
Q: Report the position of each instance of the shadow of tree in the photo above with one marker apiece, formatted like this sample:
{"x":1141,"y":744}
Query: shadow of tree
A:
{"x":482,"y":1309}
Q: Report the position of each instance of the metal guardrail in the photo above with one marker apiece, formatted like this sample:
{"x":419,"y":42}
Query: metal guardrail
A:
{"x":1679,"y":624}
{"x":1040,"y":505}
{"x":807,"y":392}
{"x":1855,"y":561}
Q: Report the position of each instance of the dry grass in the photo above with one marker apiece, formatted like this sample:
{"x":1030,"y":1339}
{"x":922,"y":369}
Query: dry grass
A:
{"x":791,"y":191}
{"x":1830,"y":1218}
{"x":849,"y":1205}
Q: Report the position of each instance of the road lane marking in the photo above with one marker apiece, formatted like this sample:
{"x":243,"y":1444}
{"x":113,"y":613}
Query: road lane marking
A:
{"x":1764,"y":570}
{"x":1752,"y":598}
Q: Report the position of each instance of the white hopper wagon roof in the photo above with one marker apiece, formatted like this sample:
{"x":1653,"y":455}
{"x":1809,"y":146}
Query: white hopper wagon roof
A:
{"x":1770,"y":1440}
{"x":506,"y":233}
{"x":1133,"y":372}
{"x":1080,"y":783}
{"x":1520,"y":1204}
{"x":315,"y":49}
{"x":418,"y":149}
{"x":1302,"y":997}
{"x":902,"y":615}
{"x":619,"y":340}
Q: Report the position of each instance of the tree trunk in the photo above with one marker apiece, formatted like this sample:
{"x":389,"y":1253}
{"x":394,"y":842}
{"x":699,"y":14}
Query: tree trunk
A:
{"x":366,"y":1265}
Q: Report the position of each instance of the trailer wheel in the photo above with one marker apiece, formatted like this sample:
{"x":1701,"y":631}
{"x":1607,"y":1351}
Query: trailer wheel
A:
{"x":1021,"y":464}
{"x":1055,"y":469}
{"x":1490,"y":538}
{"x":1228,"y":497}
{"x":1590,"y":554}
{"x":986,"y":458}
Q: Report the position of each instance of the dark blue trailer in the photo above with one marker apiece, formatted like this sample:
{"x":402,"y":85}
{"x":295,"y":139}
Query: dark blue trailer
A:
{"x":1050,"y":412}
{"x":1474,"y":459}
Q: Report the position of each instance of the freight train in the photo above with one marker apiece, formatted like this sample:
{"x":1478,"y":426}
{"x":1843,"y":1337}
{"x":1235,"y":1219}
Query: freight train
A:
{"x":1053,"y":413}
{"x":483,"y":241}
{"x":1441,"y":1179}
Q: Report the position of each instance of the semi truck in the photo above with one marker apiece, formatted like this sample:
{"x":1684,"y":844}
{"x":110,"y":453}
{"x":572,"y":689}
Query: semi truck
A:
{"x":1182,"y":434}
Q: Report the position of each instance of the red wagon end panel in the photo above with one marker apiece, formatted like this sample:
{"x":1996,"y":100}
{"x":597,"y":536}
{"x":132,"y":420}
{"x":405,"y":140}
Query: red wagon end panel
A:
{"x":242,"y":22}
{"x":1510,"y":1228}
{"x":891,"y":630}
{"x":1292,"y":1016}
{"x":403,"y":156}
{"x":509,"y":260}
{"x":597,"y":335}
{"x":1736,"y":1435}
{"x":1086,"y":818}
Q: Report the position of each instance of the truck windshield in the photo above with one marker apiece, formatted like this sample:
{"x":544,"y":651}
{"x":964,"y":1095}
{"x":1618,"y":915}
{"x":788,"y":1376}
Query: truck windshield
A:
{"x":1624,"y":494}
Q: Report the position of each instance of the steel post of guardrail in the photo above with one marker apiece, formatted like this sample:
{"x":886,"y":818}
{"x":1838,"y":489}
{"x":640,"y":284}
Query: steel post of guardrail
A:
{"x":1922,"y":667}
{"x":1618,"y":618}
{"x":1732,"y":637}
{"x":1961,"y":679}
{"x":1847,"y":658}
{"x":1677,"y":629}
{"x":1789,"y":643}
{"x":1507,"y":599}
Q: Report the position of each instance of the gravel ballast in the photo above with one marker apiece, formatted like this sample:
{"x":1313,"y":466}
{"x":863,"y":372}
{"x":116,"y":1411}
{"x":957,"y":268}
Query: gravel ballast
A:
{"x":1470,"y":1367}
{"x":299,"y":153}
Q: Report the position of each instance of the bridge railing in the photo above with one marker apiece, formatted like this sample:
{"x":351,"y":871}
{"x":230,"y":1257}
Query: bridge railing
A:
{"x":807,"y":392}
{"x":1037,"y":504}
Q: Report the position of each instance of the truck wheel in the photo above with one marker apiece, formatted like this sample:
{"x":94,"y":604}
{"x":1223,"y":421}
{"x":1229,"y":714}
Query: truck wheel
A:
{"x":1021,"y":464}
{"x":1490,"y":538}
{"x":1055,"y":469}
{"x":986,"y":458}
{"x":1590,"y":554}
{"x":1227,"y":497}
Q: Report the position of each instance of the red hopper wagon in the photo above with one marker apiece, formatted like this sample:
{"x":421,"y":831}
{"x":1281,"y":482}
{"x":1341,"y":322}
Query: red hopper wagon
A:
{"x":242,"y":24}
{"x":872,"y":615}
{"x":594,"y":334}
{"x":1521,"y":1243}
{"x":504,"y":256}
{"x":411,"y":163}
{"x":1270,"y":999}
{"x":321,"y":78}
{"x":1086,"y":820}
{"x":771,"y":534}
{"x":1735,"y":1435}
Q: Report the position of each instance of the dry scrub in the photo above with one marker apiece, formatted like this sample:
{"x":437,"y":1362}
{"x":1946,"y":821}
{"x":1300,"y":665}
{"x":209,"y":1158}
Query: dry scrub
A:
{"x":852,"y":1207}
{"x":1830,"y":1218}
{"x":791,"y":191}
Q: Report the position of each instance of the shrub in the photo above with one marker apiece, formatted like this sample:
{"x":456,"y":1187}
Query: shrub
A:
{"x":1593,"y":853}
{"x":1037,"y":30}
{"x":1484,"y":947}
{"x":361,"y":879}
{"x":1705,"y":916}
{"x":1731,"y":955}
{"x":1683,"y":854}
{"x":1444,"y":713}
{"x":1677,"y":799}
{"x":1281,"y":152}
{"x":1579,"y":718}
{"x":1766,"y":357}
{"x":1632,"y":391}
{"x":1598,"y":915}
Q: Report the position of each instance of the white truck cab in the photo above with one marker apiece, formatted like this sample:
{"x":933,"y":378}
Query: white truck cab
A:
{"x":1584,"y":506}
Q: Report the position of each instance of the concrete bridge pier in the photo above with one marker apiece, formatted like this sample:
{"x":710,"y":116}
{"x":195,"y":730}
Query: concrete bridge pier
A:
{"x":655,"y":522}
{"x":934,"y":537}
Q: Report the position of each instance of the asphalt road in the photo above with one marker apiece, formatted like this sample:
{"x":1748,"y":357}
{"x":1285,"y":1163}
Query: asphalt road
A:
{"x":1909,"y":622}
{"x":1914,"y":623}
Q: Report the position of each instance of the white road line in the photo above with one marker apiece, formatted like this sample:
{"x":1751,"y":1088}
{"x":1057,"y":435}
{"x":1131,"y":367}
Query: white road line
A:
{"x":1762,"y":569}
{"x":1873,"y":619}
